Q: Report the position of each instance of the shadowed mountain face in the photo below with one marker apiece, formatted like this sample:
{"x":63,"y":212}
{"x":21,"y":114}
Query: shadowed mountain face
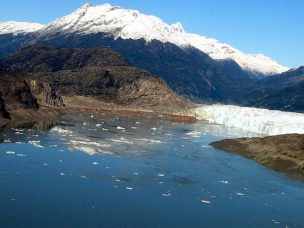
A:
{"x":283,"y":92}
{"x":101,"y":73}
{"x":47,"y":59}
{"x":188,"y":71}
{"x":18,"y":92}
{"x":15,"y":94}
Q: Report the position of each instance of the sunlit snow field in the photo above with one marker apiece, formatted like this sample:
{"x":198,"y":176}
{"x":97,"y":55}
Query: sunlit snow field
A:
{"x":91,"y":171}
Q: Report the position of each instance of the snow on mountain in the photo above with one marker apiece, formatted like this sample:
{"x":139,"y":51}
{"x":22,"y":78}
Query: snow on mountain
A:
{"x":131,"y":24}
{"x":263,"y":121}
{"x":14,"y":27}
{"x":216,"y":50}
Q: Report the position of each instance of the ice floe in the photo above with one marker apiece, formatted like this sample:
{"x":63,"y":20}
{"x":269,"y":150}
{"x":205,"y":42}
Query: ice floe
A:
{"x":122,"y":140}
{"x":21,"y":155}
{"x":205,"y":201}
{"x":61,"y":130}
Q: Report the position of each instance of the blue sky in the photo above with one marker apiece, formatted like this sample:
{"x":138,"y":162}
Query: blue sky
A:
{"x":272,"y":27}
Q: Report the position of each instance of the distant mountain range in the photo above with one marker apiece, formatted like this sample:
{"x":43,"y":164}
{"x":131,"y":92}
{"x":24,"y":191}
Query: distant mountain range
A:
{"x":199,"y":68}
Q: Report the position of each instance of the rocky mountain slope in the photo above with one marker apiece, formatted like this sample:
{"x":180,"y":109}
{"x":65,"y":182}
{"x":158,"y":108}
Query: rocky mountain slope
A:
{"x":282,"y":92}
{"x":17,"y":93}
{"x":99,"y":73}
{"x":188,"y":72}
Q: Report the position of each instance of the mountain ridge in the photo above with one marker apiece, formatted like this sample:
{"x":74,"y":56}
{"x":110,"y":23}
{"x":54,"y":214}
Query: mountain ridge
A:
{"x":131,"y":24}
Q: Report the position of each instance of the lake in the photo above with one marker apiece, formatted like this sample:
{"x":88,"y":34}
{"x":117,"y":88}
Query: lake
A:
{"x":108,"y":171}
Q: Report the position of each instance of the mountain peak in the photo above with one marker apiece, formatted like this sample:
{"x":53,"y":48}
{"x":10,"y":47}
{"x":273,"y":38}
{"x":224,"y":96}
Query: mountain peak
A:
{"x":178,"y":27}
{"x":131,"y":24}
{"x":86,"y":5}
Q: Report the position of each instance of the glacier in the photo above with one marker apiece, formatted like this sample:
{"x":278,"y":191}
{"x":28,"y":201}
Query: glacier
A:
{"x":261,"y":121}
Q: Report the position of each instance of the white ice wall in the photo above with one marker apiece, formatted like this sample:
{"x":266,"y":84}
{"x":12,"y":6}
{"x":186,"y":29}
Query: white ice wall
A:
{"x":256,"y":120}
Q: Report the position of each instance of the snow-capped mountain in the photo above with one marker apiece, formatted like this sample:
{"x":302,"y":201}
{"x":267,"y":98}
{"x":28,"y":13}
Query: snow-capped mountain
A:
{"x":131,"y":24}
{"x":14,"y":27}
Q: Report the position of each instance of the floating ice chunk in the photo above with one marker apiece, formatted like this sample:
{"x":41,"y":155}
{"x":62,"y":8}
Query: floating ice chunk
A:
{"x":83,"y":177}
{"x":224,"y":182}
{"x":161,"y":175}
{"x":120,"y":128}
{"x":240,"y":194}
{"x":10,"y":152}
{"x":37,"y":145}
{"x":61,"y":130}
{"x":205,"y":201}
{"x":129,"y":188}
{"x":194,"y":134}
{"x":105,"y":129}
{"x":62,"y":174}
{"x":98,"y":125}
{"x":45,"y":164}
{"x":276,"y":222}
{"x":166,"y":194}
{"x":95,"y":163}
{"x":136,"y":173}
{"x":122,"y":140}
{"x":153,"y":128}
{"x":21,"y":155}
{"x":134,"y":128}
{"x":150,"y":141}
{"x":138,"y":123}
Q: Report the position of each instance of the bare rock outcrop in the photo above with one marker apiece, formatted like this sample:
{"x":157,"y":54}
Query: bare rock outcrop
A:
{"x":283,"y":153}
{"x":95,"y":72}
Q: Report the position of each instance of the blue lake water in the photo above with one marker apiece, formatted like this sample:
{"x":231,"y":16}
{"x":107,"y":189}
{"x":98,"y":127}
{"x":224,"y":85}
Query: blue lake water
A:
{"x":123,"y":172}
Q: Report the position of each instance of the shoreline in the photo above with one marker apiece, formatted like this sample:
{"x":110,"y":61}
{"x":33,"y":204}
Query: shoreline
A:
{"x":282,"y":153}
{"x":80,"y":104}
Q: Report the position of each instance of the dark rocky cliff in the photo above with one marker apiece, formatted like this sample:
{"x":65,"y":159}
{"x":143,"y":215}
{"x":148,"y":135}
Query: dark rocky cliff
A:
{"x":101,"y":73}
{"x":17,"y":94}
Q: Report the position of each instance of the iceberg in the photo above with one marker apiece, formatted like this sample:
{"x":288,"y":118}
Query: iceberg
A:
{"x":262,"y":121}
